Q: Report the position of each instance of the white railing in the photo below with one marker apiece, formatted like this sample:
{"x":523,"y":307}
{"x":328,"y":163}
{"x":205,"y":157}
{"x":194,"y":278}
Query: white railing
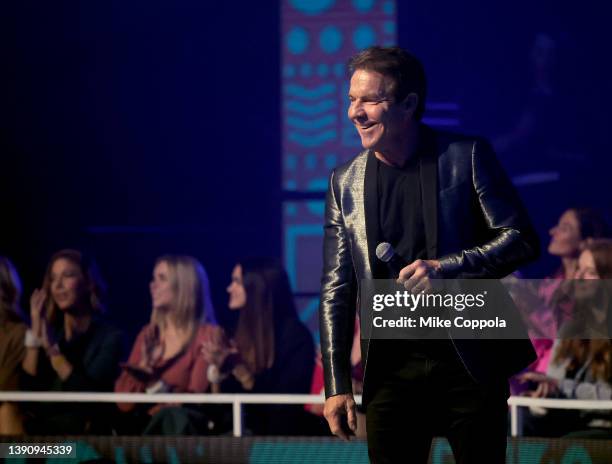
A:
{"x":237,"y":400}
{"x":551,"y":403}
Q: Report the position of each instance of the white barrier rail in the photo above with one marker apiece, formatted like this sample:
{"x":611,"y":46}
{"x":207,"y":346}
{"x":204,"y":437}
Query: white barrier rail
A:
{"x":237,"y":400}
{"x":550,"y":403}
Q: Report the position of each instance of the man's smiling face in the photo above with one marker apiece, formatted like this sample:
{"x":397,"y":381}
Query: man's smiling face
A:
{"x":380,"y":121}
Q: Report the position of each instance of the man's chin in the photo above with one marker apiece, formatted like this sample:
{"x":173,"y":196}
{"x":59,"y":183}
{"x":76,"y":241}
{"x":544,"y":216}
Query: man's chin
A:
{"x":367,"y":143}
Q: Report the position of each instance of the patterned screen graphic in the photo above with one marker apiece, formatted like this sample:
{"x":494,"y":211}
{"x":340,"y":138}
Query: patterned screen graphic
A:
{"x":318,"y":38}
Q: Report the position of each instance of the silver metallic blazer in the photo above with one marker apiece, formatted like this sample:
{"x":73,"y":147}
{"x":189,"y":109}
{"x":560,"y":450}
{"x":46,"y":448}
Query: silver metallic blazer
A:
{"x":475,"y":224}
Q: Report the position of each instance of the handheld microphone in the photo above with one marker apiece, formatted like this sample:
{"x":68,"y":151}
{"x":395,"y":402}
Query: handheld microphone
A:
{"x":386,"y":253}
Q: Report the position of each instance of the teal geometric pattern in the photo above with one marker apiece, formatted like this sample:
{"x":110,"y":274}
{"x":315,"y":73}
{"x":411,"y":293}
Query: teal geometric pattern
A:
{"x":318,"y":37}
{"x":295,"y":237}
{"x":308,"y":311}
{"x":364,"y":6}
{"x":364,"y":36}
{"x":330,"y":39}
{"x":297,"y":40}
{"x":311,"y":7}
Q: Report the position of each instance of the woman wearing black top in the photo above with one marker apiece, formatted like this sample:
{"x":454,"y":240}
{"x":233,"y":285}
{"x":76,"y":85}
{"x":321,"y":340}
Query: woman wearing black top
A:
{"x":68,"y":347}
{"x":272,"y":351}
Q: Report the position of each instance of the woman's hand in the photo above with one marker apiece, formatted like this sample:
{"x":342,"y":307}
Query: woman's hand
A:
{"x":37,"y":305}
{"x":217,"y":349}
{"x":546,"y":386}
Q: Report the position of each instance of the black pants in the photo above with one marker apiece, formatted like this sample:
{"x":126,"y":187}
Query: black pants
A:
{"x":417,"y":398}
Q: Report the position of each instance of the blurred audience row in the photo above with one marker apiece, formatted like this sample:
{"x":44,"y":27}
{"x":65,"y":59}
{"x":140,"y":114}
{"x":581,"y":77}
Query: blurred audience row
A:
{"x":570,"y":326}
{"x":68,"y":346}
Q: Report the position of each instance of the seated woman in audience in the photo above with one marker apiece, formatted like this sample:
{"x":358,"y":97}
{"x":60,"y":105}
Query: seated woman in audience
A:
{"x":68,"y":346}
{"x":581,"y":364}
{"x":575,"y":227}
{"x":166,"y":356}
{"x":12,"y":351}
{"x":272,"y":351}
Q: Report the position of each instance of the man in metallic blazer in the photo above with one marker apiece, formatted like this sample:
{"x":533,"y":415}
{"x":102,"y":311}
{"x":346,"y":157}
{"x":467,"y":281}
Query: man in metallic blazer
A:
{"x":445,"y":204}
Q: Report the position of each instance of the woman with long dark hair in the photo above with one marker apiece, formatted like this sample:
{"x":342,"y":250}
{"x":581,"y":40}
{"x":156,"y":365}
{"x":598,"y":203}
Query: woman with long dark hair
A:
{"x":567,"y":238}
{"x":271,"y":351}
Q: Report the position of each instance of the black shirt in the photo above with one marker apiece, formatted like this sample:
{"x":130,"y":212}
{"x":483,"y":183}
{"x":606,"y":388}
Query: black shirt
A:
{"x":401,"y":223}
{"x":400,"y":210}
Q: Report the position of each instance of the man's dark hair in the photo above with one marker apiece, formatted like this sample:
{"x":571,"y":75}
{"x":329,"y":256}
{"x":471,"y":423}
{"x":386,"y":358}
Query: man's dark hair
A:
{"x":405,"y":70}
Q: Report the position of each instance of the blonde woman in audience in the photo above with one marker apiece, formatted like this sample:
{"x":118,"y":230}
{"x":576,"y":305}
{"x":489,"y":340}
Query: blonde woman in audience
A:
{"x":166,"y":355}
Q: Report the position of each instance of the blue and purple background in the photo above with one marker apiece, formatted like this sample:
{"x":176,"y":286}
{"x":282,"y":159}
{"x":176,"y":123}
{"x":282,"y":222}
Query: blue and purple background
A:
{"x":134,"y":129}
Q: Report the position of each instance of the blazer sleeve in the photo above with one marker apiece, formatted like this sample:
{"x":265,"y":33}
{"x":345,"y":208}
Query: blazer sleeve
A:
{"x":514,"y":241}
{"x":337,"y":305}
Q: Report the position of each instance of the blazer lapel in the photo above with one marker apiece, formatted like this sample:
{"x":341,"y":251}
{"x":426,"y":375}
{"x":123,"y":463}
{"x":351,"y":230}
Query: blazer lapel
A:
{"x":429,"y":189}
{"x":370,"y":193}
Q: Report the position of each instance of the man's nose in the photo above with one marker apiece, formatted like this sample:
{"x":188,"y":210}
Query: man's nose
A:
{"x":356,"y":111}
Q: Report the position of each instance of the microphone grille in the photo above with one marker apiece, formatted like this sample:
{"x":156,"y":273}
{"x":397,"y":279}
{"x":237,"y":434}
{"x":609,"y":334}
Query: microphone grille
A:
{"x":384,"y":252}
